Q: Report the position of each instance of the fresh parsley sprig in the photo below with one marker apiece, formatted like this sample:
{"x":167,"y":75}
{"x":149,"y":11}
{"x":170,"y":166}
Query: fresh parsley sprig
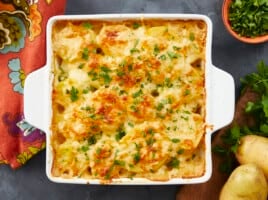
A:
{"x":258,"y":82}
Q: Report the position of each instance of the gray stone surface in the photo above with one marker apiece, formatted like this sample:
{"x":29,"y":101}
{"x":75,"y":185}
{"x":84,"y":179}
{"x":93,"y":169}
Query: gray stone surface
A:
{"x":30,"y":182}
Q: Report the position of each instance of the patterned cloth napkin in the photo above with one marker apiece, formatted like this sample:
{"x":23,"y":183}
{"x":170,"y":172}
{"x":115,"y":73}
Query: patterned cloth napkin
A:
{"x":22,"y":50}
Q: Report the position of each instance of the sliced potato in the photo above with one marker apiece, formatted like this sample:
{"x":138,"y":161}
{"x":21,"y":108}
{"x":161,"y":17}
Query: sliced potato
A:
{"x":157,"y":30}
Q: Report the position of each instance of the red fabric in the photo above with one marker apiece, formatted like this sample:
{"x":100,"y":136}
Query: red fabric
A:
{"x":22,"y":50}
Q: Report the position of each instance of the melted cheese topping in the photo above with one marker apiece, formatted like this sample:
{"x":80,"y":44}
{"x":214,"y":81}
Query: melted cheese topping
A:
{"x":128,"y":99}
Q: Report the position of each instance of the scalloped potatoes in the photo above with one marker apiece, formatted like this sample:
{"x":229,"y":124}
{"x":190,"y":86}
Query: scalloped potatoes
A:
{"x":128,"y":99}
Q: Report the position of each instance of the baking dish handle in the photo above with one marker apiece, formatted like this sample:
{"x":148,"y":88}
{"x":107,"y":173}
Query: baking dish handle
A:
{"x":223,"y":98}
{"x":35,"y":96}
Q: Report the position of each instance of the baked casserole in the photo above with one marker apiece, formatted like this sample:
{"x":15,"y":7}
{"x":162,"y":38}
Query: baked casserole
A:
{"x":128,"y":99}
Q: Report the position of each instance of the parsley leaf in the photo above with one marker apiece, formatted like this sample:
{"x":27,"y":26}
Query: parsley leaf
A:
{"x":106,"y":78}
{"x":162,"y":57}
{"x":120,"y":134}
{"x":85,"y":53}
{"x":173,"y":163}
{"x":137,"y":157}
{"x":74,"y":94}
{"x":258,"y":81}
{"x":136,"y":25}
{"x":84,"y":148}
{"x":175,"y":140}
{"x":137,"y":94}
{"x":159,"y":106}
{"x":87,"y":25}
{"x":191,"y":36}
{"x":156,"y":50}
{"x":172,"y":55}
{"x":249,"y":17}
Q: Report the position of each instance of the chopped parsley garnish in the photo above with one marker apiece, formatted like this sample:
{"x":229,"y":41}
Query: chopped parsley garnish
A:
{"x":130,"y":124}
{"x":156,"y":50}
{"x":104,"y":74}
{"x":162,"y":57}
{"x":130,"y":67}
{"x":135,"y":49}
{"x":87,"y":25}
{"x":186,"y":118}
{"x":85,"y":54}
{"x":137,"y":157}
{"x":187,"y":92}
{"x":106,"y":78}
{"x":150,"y":141}
{"x":98,"y":151}
{"x":137,"y":94}
{"x":92,"y":140}
{"x":168,"y":83}
{"x":92,"y":116}
{"x":120,"y":73}
{"x":150,"y":131}
{"x":159,"y":106}
{"x":93,"y":74}
{"x":121,"y":92}
{"x":134,"y":108}
{"x":119,"y":162}
{"x":84,"y":148}
{"x":87,"y":108}
{"x":120,"y":134}
{"x":86,"y":90}
{"x":173,"y":163}
{"x":172,"y":55}
{"x":167,"y":101}
{"x":81,"y":66}
{"x":191,"y":36}
{"x":175,"y":140}
{"x":136,"y":25}
{"x":105,"y":69}
{"x":176,"y":48}
{"x":180,"y":151}
{"x":249,"y":17}
{"x":74,"y":94}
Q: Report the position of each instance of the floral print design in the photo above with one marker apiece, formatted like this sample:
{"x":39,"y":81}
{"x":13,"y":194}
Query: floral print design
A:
{"x":19,"y":4}
{"x":18,"y":127}
{"x":15,"y":26}
{"x":36,"y":20}
{"x":23,"y":157}
{"x":4,"y":39}
{"x":25,"y":127}
{"x":17,"y":75}
{"x":22,"y":32}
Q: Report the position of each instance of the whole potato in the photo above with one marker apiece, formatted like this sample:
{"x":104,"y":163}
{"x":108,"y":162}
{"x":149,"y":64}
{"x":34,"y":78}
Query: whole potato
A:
{"x":247,"y":182}
{"x":254,"y":149}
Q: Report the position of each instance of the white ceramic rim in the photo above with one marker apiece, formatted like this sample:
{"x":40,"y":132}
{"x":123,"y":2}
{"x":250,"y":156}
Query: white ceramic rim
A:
{"x":219,"y":103}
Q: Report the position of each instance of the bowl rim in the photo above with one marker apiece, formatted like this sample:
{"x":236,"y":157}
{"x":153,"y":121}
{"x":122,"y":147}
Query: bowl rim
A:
{"x":225,"y":16}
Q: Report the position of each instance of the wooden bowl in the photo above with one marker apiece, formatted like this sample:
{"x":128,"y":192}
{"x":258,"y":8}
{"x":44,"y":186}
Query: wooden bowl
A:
{"x":225,"y":18}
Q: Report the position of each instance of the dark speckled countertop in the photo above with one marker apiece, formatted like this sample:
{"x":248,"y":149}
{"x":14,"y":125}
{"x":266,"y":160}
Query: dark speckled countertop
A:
{"x":30,"y":181}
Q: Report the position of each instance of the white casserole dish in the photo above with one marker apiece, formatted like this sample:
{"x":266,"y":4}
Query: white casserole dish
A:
{"x":219,"y":103}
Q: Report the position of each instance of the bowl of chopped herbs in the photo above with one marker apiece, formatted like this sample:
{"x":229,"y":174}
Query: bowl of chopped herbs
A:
{"x":246,"y":20}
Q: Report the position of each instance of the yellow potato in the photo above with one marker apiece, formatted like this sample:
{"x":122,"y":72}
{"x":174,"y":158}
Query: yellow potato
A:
{"x":254,"y":149}
{"x":157,"y":30}
{"x":247,"y":182}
